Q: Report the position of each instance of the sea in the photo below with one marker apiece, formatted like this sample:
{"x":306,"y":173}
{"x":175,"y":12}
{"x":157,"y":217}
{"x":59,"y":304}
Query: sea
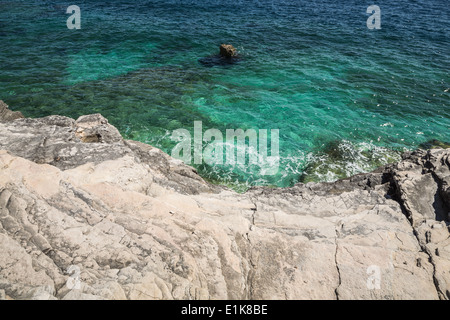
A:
{"x":344,"y":96}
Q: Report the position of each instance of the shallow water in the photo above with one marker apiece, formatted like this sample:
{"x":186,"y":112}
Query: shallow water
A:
{"x":313,"y":70}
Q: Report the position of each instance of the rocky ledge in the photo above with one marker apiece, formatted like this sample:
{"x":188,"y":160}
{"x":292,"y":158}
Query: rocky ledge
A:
{"x":85,"y":214}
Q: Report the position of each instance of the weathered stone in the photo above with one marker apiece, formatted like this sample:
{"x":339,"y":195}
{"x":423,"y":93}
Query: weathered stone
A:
{"x":8,"y":115}
{"x":227,"y":50}
{"x":130,"y":222}
{"x":95,"y":128}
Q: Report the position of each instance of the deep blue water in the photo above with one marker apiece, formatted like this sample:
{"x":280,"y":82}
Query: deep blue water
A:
{"x":345,"y":98}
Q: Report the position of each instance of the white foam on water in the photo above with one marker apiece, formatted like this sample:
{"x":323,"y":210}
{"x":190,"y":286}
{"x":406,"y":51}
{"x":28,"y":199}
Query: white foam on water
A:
{"x":353,"y":158}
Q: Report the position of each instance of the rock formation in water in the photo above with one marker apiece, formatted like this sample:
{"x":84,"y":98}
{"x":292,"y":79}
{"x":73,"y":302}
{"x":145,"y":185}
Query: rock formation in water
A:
{"x":227,"y":56}
{"x":85,"y":214}
{"x":227,"y":50}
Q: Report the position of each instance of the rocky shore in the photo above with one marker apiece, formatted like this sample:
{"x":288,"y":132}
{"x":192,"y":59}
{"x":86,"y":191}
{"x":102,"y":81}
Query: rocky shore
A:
{"x":85,"y":214}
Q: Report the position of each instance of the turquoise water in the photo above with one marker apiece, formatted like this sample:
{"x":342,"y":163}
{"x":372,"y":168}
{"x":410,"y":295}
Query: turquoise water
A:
{"x":345,"y":99}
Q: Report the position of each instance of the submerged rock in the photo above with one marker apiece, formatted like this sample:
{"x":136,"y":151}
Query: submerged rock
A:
{"x":138,"y":224}
{"x":339,"y":159}
{"x":217,"y":60}
{"x":434,"y":144}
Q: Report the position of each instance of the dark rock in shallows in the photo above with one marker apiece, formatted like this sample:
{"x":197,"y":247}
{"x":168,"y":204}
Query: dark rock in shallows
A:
{"x":434,"y":144}
{"x":217,"y":60}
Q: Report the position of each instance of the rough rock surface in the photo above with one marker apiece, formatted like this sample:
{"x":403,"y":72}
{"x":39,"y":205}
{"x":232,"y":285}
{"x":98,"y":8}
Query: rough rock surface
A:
{"x":227,"y":50}
{"x":8,"y":115}
{"x":85,"y":214}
